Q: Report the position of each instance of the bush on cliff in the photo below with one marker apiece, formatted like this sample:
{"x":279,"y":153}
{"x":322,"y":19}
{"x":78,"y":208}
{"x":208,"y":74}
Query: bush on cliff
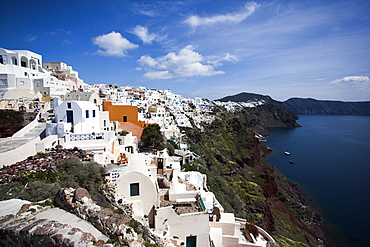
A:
{"x":69,"y":173}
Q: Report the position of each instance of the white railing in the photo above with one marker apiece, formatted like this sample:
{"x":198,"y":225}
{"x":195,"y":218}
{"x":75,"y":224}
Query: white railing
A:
{"x":87,"y":137}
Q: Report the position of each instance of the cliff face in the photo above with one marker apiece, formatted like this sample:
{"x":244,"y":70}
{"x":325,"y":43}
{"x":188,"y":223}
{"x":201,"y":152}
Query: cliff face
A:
{"x":321,"y":107}
{"x":244,"y":182}
{"x":271,"y":114}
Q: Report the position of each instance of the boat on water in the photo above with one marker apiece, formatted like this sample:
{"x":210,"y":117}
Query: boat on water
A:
{"x":286,"y":153}
{"x":291,"y":161}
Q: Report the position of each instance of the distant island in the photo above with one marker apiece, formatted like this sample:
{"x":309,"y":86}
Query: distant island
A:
{"x":326,"y":107}
{"x":308,"y":106}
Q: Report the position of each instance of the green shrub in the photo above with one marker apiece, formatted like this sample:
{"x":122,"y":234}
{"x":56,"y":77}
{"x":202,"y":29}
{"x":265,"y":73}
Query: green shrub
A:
{"x":152,"y":137}
{"x":148,"y":244}
{"x":41,"y":154}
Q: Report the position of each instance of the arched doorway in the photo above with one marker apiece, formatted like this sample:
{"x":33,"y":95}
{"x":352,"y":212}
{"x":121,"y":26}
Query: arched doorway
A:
{"x":24,"y":62}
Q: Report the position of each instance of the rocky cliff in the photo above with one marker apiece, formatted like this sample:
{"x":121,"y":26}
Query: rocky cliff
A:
{"x":325,"y":107}
{"x":35,"y":224}
{"x":271,"y":113}
{"x":232,"y":157}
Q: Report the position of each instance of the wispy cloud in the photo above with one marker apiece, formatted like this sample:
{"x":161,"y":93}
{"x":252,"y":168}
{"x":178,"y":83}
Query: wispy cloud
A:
{"x":113,"y":44}
{"x":361,"y":82}
{"x":159,"y":8}
{"x":195,"y":21}
{"x":144,"y":35}
{"x":218,"y":61}
{"x":30,"y":38}
{"x":186,"y":63}
{"x":67,"y":41}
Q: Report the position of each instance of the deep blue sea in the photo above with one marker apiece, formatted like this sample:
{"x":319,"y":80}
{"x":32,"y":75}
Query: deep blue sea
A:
{"x":331,"y":157}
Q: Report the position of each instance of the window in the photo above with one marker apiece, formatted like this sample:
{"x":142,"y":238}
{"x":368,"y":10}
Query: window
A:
{"x":93,"y":113}
{"x":69,"y":105}
{"x":14,"y":61}
{"x":87,"y":113}
{"x":4,"y":82}
{"x":124,"y":118}
{"x":134,"y":189}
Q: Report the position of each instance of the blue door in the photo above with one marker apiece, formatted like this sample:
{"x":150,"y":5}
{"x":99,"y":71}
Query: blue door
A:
{"x":70,"y":117}
{"x":191,"y":241}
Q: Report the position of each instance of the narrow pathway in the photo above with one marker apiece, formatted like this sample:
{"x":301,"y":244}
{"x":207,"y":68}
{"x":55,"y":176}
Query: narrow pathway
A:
{"x":10,"y":143}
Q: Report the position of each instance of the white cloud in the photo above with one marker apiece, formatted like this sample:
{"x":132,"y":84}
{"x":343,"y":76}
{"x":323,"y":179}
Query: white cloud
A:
{"x":30,"y":38}
{"x":113,"y":44}
{"x":148,"y":13}
{"x":143,"y":34}
{"x":217,"y":61}
{"x":362,"y":82}
{"x":155,"y":75}
{"x":186,"y":63}
{"x":67,"y":41}
{"x":248,"y":9}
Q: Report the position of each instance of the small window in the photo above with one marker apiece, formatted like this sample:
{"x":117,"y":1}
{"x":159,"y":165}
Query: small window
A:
{"x":87,"y":113}
{"x":69,"y":105}
{"x":124,"y":118}
{"x":134,"y":189}
{"x":93,"y":113}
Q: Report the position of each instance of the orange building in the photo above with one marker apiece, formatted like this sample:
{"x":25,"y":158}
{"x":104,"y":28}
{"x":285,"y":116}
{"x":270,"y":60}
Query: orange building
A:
{"x":125,"y":114}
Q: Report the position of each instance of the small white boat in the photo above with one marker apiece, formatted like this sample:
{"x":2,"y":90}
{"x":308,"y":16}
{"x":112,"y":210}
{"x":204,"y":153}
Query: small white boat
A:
{"x":286,"y":153}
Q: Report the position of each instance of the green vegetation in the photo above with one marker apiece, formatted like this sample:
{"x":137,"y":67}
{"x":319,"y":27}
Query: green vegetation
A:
{"x":122,"y":133}
{"x":69,"y":173}
{"x":41,"y":154}
{"x":242,"y":180}
{"x":283,"y":241}
{"x":152,"y":137}
{"x":135,"y":225}
{"x":148,"y":244}
{"x":113,"y":240}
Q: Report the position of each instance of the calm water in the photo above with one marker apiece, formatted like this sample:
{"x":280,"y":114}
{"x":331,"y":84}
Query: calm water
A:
{"x":332,"y":165}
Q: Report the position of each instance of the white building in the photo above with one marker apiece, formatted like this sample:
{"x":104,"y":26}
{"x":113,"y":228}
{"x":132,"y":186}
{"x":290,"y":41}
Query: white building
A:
{"x":161,"y":200}
{"x":160,"y":116}
{"x":22,"y":69}
{"x":66,"y":73}
{"x":78,"y":117}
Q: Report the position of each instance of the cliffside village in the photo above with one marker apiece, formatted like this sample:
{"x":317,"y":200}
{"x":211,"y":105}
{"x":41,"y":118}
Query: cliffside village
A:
{"x":106,"y":122}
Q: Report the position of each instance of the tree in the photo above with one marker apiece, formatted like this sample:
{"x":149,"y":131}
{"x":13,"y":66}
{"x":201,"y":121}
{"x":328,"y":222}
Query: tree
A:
{"x":152,"y":137}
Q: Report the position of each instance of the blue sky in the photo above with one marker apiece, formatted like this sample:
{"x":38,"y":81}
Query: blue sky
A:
{"x":203,"y":48}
